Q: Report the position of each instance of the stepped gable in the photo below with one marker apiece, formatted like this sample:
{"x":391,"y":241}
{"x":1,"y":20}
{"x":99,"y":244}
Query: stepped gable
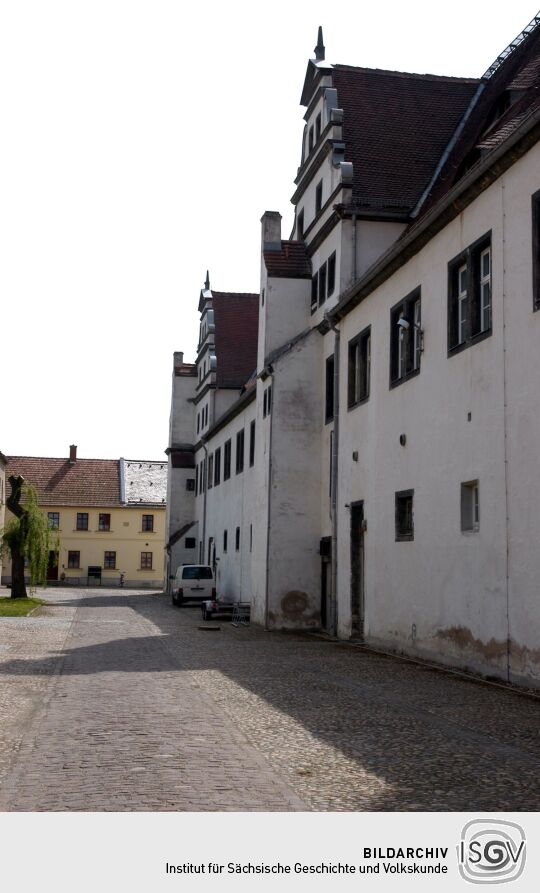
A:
{"x":236,"y":319}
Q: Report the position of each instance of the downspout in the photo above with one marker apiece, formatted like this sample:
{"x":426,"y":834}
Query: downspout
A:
{"x":335,"y":466}
{"x":505,"y":425}
{"x":353,"y":264}
{"x":269,"y":492}
{"x":205,"y":488}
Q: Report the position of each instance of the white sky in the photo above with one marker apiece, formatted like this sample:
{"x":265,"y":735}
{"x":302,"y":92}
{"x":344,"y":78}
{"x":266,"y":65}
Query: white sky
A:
{"x":141,"y":142}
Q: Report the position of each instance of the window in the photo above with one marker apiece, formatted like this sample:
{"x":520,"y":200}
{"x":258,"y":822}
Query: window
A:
{"x":251,"y":537}
{"x":224,"y":540}
{"x":536,"y":248}
{"x":196,"y":480}
{"x":240,"y":451}
{"x":404,"y":515}
{"x":190,"y":484}
{"x":146,"y":561}
{"x":53,"y":520}
{"x":206,"y":414}
{"x":74,"y":559}
{"x":82,"y":520}
{"x":359,"y":368}
{"x":300,"y":225}
{"x":318,"y":125}
{"x":109,"y":560}
{"x":311,"y":139}
{"x":329,"y":402}
{"x":470,"y":506}
{"x":217,"y":466}
{"x":210,"y":471}
{"x":148,"y":522}
{"x":263,"y":295}
{"x":203,"y":475}
{"x":198,"y":422}
{"x":469,"y":295}
{"x":190,"y":542}
{"x":318,"y":198}
{"x":237,"y":540}
{"x":405,"y":338}
{"x":331,"y":273}
{"x":269,"y":400}
{"x":314,"y":291}
{"x":104,"y":522}
{"x":322,"y":284}
{"x":252,"y":443}
{"x":227,"y":461}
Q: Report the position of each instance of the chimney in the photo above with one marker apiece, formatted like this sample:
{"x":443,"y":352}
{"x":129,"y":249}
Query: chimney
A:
{"x":72,"y":454}
{"x":271,"y":231}
{"x":178,"y":357}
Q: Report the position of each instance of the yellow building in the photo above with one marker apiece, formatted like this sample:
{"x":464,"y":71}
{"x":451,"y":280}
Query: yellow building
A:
{"x":109,"y":515}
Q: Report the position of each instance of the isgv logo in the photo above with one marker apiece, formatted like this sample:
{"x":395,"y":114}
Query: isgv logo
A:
{"x":491,"y":851}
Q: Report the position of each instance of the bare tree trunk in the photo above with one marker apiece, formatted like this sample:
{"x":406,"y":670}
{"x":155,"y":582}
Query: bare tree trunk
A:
{"x":18,"y":586}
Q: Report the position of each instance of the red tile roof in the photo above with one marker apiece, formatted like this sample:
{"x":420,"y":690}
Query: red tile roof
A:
{"x":92,"y":482}
{"x":236,"y":319}
{"x":396,"y":127}
{"x":292,"y":262}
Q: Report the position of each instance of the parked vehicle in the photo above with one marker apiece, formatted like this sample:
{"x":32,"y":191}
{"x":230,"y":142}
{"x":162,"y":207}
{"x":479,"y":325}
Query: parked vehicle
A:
{"x":213,"y":607}
{"x":193,"y":582}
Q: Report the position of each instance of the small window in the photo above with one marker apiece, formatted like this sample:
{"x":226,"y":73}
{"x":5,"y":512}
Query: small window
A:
{"x":359,"y":368}
{"x":269,"y":400}
{"x":251,"y":537}
{"x":109,"y":560}
{"x":210,"y":471}
{"x":405,"y":338}
{"x":53,"y":520}
{"x":470,"y":506}
{"x":536,"y":248}
{"x":311,"y":139}
{"x":318,"y":198}
{"x":469,"y":295}
{"x":82,"y":520}
{"x":322,"y":284}
{"x":404,"y":515}
{"x":329,"y":402}
{"x":224,"y":540}
{"x":318,"y":125}
{"x":206,"y":414}
{"x":300,"y":225}
{"x":198,"y":422}
{"x":237,"y":540}
{"x":314,"y":292}
{"x":146,"y":561}
{"x":196,"y":480}
{"x":190,"y":484}
{"x":74,"y":559}
{"x":240,"y":451}
{"x":252,"y":443}
{"x":331,"y":274}
{"x":217,"y":466}
{"x":148,"y":523}
{"x":227,"y":461}
{"x":190,"y":542}
{"x":263,"y":295}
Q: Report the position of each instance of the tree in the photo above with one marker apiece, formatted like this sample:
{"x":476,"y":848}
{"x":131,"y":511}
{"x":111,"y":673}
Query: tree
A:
{"x":27,"y":536}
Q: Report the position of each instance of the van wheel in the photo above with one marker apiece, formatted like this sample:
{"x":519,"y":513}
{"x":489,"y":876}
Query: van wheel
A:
{"x":173,"y":599}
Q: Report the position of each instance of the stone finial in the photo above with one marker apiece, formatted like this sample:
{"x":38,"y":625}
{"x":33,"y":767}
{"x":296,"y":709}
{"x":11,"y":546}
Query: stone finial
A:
{"x":320,"y":48}
{"x":207,"y":282}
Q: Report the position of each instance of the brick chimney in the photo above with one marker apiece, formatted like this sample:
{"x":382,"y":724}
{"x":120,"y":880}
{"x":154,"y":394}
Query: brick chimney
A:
{"x":72,"y":454}
{"x":271,"y":231}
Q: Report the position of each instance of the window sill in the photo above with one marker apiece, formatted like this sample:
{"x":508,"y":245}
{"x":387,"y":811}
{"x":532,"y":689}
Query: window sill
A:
{"x":457,"y":348}
{"x":405,"y":538}
{"x":395,"y":382}
{"x":358,"y":403}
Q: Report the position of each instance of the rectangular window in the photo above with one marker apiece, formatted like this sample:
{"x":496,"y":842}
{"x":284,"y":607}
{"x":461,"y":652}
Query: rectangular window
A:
{"x":536,"y":248}
{"x":331,"y":274}
{"x":470,"y":506}
{"x":240,"y":451}
{"x":53,"y":520}
{"x":252,"y":443}
{"x":251,"y":537}
{"x":146,"y":561}
{"x":74,"y":559}
{"x":469,"y":295}
{"x":148,"y":522}
{"x":82,"y":520}
{"x":196,"y":480}
{"x":314,"y":292}
{"x":311,"y":139}
{"x":237,"y":540}
{"x":405,"y":338}
{"x":329,"y":402}
{"x":318,"y":126}
{"x":109,"y":560}
{"x":300,"y":225}
{"x":318,"y":198}
{"x":210,"y":471}
{"x":190,"y":542}
{"x":217,"y":466}
{"x":224,"y":540}
{"x":322,"y":284}
{"x":227,"y":461}
{"x":404,"y":515}
{"x":359,"y":368}
{"x":198,"y":421}
{"x":190,"y":484}
{"x":104,"y":522}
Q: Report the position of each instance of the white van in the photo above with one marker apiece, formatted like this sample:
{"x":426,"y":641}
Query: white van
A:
{"x":193,"y":582}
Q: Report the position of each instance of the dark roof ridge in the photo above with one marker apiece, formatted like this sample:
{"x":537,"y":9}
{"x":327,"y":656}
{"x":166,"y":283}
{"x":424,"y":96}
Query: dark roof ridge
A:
{"x":236,"y":294}
{"x":409,"y":74}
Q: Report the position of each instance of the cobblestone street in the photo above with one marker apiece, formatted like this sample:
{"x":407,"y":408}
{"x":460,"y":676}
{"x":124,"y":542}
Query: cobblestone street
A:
{"x":115,"y":700}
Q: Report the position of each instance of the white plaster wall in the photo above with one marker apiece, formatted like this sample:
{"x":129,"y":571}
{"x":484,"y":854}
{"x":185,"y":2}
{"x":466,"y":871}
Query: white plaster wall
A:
{"x":286,"y":311}
{"x":450,"y":585}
